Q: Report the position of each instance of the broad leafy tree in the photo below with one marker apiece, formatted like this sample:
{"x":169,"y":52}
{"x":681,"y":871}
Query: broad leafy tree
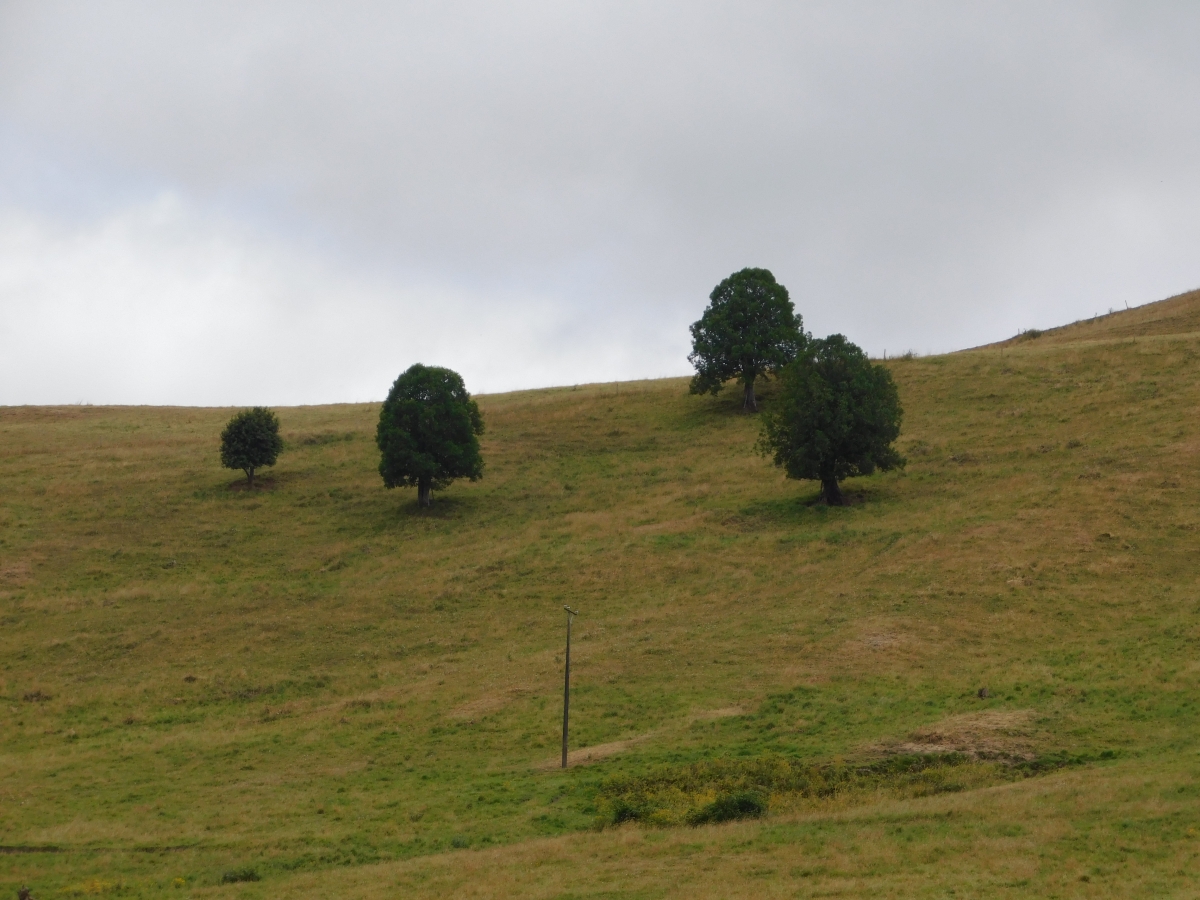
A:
{"x":428,"y":432}
{"x":836,"y":415}
{"x":250,"y":441}
{"x":749,"y":329}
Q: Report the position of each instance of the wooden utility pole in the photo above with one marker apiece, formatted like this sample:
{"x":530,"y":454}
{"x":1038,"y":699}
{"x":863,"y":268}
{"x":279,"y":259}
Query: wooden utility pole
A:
{"x":567,"y":685}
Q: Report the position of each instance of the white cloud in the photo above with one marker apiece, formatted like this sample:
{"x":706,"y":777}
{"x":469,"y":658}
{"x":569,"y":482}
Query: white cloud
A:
{"x":162,"y":304}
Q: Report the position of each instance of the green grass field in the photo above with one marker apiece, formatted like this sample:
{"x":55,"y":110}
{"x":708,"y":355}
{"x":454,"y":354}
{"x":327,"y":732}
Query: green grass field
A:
{"x":320,"y":685}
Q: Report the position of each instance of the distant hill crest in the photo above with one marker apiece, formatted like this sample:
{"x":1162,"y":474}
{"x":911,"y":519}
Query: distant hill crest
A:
{"x":1175,"y":315}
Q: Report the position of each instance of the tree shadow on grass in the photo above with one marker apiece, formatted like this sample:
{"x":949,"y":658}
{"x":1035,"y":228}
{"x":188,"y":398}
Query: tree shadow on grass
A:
{"x":810,"y":506}
{"x":262,"y":483}
{"x":445,"y":507}
{"x":727,"y":405}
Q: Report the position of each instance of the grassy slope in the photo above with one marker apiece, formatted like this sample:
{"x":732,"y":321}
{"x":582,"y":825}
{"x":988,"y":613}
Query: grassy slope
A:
{"x":1174,"y":316}
{"x":373,"y":685}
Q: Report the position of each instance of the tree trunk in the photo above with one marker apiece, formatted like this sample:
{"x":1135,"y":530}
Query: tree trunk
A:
{"x":832,"y":493}
{"x":250,"y":477}
{"x":424,"y":490}
{"x":748,"y":401}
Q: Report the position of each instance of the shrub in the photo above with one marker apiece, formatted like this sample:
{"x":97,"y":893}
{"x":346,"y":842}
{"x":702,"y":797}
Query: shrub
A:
{"x":624,"y":811}
{"x":246,"y":873}
{"x":730,"y":807}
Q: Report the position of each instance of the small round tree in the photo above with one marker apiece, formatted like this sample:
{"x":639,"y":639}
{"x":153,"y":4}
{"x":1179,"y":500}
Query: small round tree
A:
{"x":749,"y":329}
{"x":836,"y":415}
{"x":251,"y":440}
{"x":428,"y":432}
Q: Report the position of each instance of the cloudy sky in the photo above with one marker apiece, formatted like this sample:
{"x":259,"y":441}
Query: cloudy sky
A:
{"x":285,"y":203}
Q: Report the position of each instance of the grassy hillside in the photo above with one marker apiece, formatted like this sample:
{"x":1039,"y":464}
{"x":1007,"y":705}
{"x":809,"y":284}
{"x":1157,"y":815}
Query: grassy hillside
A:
{"x":351,"y":697}
{"x":1176,"y":315}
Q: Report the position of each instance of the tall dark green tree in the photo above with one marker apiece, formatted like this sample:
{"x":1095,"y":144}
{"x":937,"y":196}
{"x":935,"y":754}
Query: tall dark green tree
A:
{"x":750,"y":329}
{"x":428,"y":432}
{"x":251,"y":440}
{"x":836,"y":415}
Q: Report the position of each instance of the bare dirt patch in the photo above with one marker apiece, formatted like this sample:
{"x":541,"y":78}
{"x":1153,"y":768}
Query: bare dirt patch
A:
{"x":992,"y":734}
{"x":881,"y":641}
{"x":17,"y":574}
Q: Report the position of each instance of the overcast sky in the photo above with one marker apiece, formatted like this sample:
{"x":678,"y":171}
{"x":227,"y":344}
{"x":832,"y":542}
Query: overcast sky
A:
{"x":242,"y":203}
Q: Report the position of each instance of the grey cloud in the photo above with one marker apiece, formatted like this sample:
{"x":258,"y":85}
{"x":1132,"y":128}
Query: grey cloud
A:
{"x":926,"y":176}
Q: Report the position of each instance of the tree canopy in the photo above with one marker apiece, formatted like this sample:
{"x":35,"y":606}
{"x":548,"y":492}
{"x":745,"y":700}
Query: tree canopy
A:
{"x":836,"y":415}
{"x":428,"y":432}
{"x":251,"y":440}
{"x":748,"y":330}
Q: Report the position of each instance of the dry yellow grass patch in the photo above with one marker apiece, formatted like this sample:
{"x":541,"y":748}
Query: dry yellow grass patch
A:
{"x":723,"y":712}
{"x":488,"y":704}
{"x":594,"y":754}
{"x":600,"y":752}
